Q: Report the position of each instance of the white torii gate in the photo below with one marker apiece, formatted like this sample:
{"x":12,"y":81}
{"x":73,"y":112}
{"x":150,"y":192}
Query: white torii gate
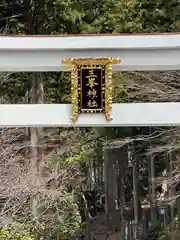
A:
{"x":150,"y":52}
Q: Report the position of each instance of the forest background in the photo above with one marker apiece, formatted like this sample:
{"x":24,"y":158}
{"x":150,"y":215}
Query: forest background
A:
{"x":42,"y":170}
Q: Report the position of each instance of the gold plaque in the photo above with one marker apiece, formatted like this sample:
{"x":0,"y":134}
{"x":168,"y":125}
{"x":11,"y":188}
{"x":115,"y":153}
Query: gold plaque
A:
{"x":91,"y":85}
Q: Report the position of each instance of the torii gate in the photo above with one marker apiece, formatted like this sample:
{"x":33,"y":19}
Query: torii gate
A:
{"x":150,"y":52}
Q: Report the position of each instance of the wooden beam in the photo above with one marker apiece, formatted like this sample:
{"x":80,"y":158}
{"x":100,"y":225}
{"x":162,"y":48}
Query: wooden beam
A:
{"x":124,"y":114}
{"x":45,"y":53}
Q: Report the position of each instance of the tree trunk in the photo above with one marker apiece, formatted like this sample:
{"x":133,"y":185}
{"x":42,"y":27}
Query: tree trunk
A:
{"x":34,"y":25}
{"x":135,"y":193}
{"x":115,"y":160}
{"x":36,"y":97}
{"x":172,"y":193}
{"x":153,"y":187}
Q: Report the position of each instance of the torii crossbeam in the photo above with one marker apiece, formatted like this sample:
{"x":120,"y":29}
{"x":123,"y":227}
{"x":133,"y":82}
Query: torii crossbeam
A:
{"x":150,"y":52}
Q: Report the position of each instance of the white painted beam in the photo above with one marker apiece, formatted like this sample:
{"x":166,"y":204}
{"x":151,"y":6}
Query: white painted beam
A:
{"x":124,"y":114}
{"x":137,"y":52}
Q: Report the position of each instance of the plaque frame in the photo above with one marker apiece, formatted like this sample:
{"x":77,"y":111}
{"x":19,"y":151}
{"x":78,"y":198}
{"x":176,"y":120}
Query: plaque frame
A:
{"x":91,"y":63}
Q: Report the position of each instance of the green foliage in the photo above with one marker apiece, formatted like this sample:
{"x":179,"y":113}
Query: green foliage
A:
{"x":153,"y":233}
{"x":156,"y":233}
{"x":86,"y":151}
{"x":114,"y":16}
{"x":6,"y":234}
{"x":159,"y":16}
{"x":59,"y":217}
{"x":56,"y":213}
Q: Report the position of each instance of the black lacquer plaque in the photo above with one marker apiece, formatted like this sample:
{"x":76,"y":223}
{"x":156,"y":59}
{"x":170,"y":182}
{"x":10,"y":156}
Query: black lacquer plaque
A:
{"x":91,"y":85}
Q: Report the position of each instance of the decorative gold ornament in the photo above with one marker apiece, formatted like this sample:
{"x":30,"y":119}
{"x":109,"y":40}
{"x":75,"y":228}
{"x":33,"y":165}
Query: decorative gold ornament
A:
{"x":91,"y":85}
{"x":74,"y":92}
